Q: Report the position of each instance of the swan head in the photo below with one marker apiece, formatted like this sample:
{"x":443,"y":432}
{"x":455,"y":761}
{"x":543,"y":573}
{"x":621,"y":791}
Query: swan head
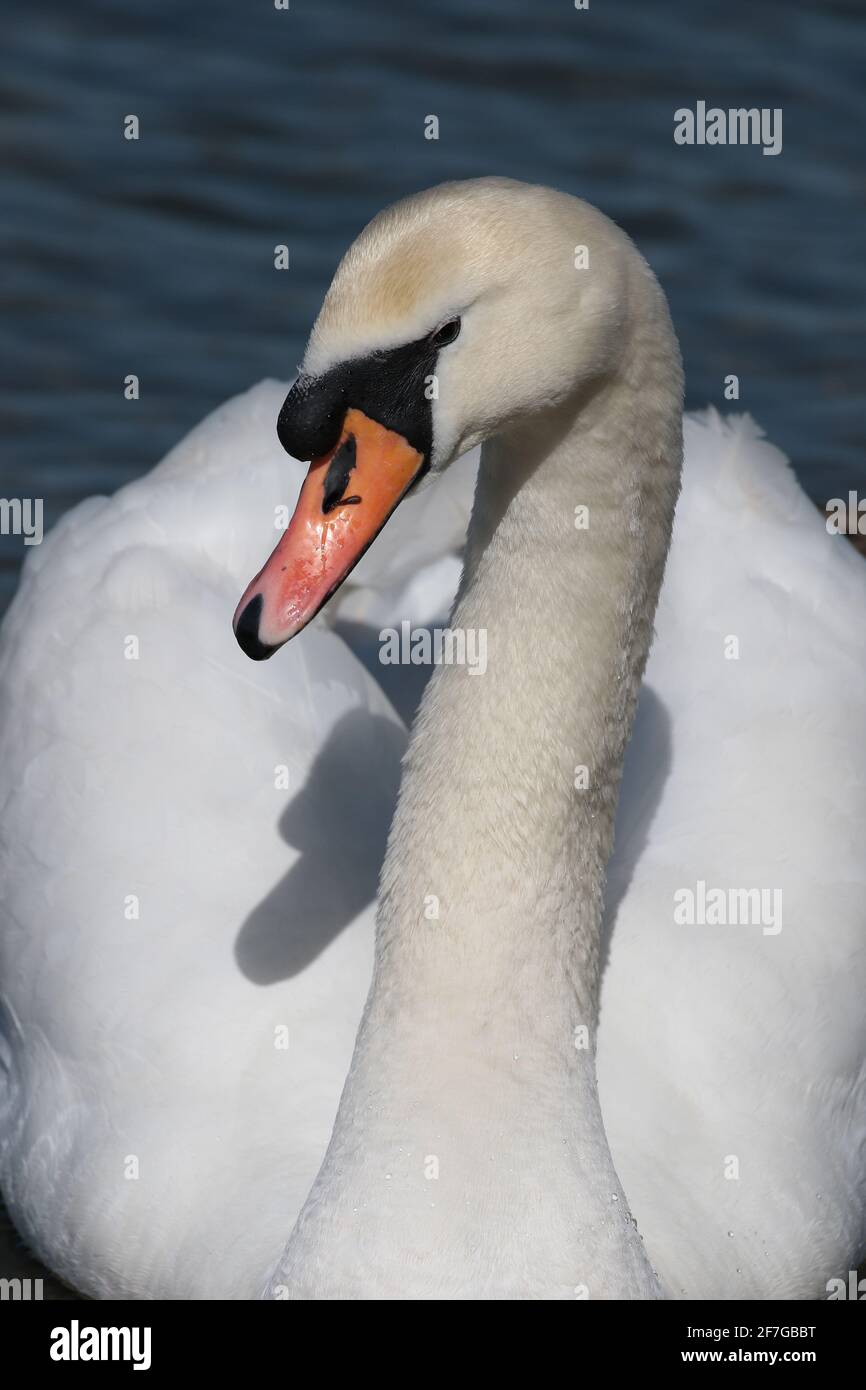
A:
{"x":456,"y":315}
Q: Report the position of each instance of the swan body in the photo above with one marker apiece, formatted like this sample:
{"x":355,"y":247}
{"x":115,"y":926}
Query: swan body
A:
{"x":168,"y":1080}
{"x":469,"y":1157}
{"x":745,"y":1043}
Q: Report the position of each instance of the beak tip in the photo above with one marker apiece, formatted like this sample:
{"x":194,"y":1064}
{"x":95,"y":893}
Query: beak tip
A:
{"x":247,"y":631}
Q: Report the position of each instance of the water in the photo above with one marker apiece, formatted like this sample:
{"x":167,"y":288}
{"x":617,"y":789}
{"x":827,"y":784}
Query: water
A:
{"x":260,"y":126}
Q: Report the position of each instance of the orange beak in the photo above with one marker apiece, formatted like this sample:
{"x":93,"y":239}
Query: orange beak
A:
{"x":345,"y":501}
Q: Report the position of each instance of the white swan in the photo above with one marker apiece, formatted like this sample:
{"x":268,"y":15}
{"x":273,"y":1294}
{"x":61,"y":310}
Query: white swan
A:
{"x":468,"y":1155}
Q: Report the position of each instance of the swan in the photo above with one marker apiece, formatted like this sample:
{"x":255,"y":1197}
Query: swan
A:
{"x":469,"y":1156}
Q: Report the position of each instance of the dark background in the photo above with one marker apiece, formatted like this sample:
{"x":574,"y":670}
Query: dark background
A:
{"x":261,"y":126}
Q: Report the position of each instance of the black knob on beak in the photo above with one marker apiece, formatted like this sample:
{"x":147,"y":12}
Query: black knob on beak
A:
{"x":312,"y":415}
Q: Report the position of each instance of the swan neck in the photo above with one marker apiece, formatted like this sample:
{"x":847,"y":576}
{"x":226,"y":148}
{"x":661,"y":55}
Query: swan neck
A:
{"x":505,"y":820}
{"x":469,"y":1135}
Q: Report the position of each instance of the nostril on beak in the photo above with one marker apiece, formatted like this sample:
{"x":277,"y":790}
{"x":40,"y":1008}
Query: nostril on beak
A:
{"x":247,"y":631}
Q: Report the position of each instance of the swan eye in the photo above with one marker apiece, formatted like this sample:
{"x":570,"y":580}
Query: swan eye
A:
{"x":446,"y":334}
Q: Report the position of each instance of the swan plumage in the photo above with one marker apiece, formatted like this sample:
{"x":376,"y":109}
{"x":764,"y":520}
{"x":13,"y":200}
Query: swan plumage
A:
{"x":726,"y":1042}
{"x":154,"y":1039}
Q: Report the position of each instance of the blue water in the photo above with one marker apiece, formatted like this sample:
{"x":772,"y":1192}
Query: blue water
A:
{"x":260,"y":126}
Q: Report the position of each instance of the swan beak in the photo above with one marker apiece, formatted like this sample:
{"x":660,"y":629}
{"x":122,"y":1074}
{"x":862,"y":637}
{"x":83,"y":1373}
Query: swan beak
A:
{"x":347,"y":496}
